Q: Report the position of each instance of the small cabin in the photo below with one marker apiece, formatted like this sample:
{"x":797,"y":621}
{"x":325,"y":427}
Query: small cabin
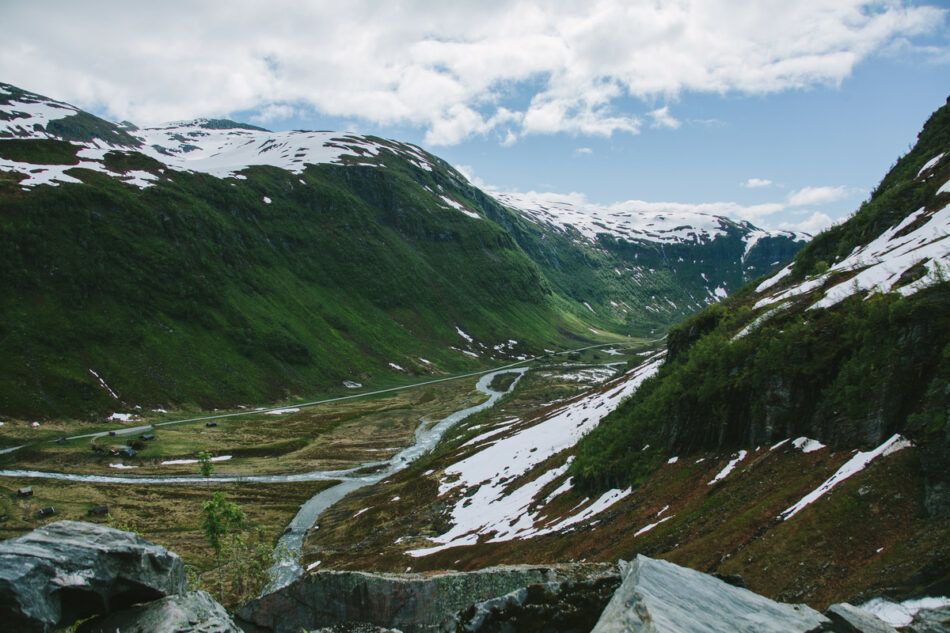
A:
{"x":98,"y":511}
{"x":46,"y":512}
{"x":126,"y":451}
{"x":211,"y":424}
{"x":25,"y":492}
{"x":148,"y":437}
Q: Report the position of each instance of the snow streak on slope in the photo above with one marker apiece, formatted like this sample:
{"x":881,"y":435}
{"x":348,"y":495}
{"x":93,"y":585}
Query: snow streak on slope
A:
{"x":631,"y":221}
{"x":920,"y":240}
{"x":854,"y":465}
{"x":499,"y":514}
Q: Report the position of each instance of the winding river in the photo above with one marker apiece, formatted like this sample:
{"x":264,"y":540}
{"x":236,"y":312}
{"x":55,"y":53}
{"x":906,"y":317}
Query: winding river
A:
{"x":286,"y":571}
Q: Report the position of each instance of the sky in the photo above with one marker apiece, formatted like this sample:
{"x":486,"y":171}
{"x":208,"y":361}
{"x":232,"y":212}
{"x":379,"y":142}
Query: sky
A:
{"x":786,"y":114}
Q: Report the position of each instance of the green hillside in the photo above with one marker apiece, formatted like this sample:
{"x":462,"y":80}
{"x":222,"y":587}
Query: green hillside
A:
{"x":755,"y":369}
{"x":197,"y":290}
{"x":132,"y":279}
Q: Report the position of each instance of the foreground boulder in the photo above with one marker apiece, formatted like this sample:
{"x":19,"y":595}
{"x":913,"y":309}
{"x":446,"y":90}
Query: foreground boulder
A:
{"x":195,"y":611}
{"x":68,"y":570}
{"x":411,"y":603}
{"x":850,"y":619}
{"x":559,"y":607}
{"x":659,"y":597}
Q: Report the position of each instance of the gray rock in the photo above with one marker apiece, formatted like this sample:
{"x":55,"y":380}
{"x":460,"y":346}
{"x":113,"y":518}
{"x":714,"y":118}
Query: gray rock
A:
{"x":659,"y":597}
{"x":850,"y":619}
{"x":67,"y":570}
{"x":192,"y":612}
{"x":565,"y":607}
{"x":413,"y":603}
{"x":930,"y":621}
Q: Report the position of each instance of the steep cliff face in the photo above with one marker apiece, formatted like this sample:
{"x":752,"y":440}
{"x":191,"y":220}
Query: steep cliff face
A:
{"x":849,"y":344}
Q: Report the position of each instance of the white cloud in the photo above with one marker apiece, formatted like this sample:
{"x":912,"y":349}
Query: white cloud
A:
{"x":583,"y":151}
{"x":755,"y":183}
{"x":449,"y":69}
{"x":274,"y":112}
{"x":815,"y":224}
{"x":816,"y":195}
{"x":662,"y":118}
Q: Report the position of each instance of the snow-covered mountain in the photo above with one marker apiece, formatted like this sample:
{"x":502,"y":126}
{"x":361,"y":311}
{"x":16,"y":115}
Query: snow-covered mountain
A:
{"x":678,"y":260}
{"x":218,"y":147}
{"x":633,"y":222}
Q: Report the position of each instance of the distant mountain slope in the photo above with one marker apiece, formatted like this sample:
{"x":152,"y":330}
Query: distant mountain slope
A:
{"x":214,"y":262}
{"x":849,"y":344}
{"x":645,"y":268}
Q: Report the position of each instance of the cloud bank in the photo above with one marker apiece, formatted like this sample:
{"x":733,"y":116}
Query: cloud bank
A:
{"x":504,"y":68}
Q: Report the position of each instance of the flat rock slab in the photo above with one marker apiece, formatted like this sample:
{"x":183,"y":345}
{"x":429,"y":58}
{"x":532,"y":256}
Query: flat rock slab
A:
{"x":659,"y":597}
{"x":192,"y":612}
{"x":67,"y":570}
{"x":851,"y":619}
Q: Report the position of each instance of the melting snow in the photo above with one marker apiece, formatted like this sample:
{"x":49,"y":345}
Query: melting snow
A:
{"x":854,"y":465}
{"x":281,"y":411}
{"x":899,"y":614}
{"x":176,"y":462}
{"x":729,"y":468}
{"x":460,"y":207}
{"x":929,"y":164}
{"x":502,"y":515}
{"x":463,"y":334}
{"x":102,"y":383}
{"x":880,"y":264}
{"x":121,"y":466}
{"x":121,"y":417}
{"x":649,"y":527}
{"x":807,"y":445}
{"x":396,"y":367}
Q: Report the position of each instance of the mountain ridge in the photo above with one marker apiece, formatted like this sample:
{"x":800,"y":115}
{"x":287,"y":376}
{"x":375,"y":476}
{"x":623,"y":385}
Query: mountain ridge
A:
{"x":300,"y":259}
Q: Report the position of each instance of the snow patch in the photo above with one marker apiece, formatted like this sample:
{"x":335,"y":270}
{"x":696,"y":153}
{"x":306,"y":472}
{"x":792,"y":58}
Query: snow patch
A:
{"x":729,"y":468}
{"x":498,"y":514}
{"x":899,"y":614}
{"x":854,"y":465}
{"x":807,"y":445}
{"x":649,"y":527}
{"x":176,"y":462}
{"x":281,"y":411}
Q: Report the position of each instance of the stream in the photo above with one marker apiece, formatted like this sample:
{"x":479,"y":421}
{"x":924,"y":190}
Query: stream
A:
{"x":428,"y":435}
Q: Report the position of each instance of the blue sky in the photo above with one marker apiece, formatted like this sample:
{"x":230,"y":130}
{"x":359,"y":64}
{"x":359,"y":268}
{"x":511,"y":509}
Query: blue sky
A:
{"x":785,"y":114}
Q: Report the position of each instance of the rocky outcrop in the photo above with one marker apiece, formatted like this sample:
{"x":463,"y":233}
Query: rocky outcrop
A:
{"x":67,"y":570}
{"x":412,"y":603}
{"x":193,"y":611}
{"x":850,"y":619}
{"x":659,"y":597}
{"x":567,"y":607}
